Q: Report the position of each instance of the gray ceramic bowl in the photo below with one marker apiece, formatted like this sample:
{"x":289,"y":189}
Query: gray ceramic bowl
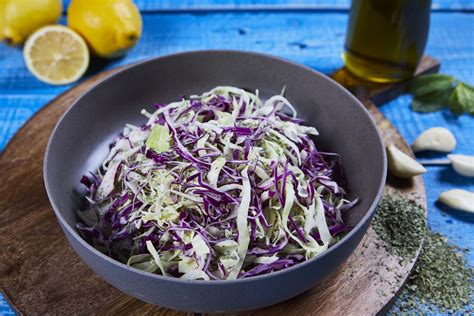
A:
{"x":80,"y":141}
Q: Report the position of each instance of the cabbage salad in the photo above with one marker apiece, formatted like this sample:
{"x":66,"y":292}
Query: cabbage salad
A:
{"x":219,"y":186}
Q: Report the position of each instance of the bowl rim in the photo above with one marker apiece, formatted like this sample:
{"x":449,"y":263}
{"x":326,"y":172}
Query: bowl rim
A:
{"x":159,"y":277}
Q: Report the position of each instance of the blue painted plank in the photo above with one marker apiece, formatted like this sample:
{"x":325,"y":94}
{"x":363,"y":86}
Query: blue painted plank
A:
{"x":276,"y":4}
{"x":312,"y":38}
{"x":186,"y":5}
{"x":15,"y":110}
{"x":5,"y":308}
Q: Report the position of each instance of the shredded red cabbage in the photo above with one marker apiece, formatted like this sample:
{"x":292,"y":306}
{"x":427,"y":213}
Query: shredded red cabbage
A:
{"x":217,"y":186}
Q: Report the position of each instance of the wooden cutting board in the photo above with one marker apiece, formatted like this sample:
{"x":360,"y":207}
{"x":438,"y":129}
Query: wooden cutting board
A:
{"x":41,"y":274}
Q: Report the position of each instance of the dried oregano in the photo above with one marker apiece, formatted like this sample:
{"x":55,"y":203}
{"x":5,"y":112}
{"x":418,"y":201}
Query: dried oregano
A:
{"x":441,"y":279}
{"x":401,"y":223}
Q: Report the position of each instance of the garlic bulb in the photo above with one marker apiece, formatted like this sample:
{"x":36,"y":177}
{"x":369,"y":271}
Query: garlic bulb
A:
{"x":402,"y":165}
{"x":463,"y":164}
{"x":459,"y":199}
{"x":436,"y":139}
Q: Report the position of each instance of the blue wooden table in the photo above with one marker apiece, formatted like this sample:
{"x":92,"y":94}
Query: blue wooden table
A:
{"x":305,"y":31}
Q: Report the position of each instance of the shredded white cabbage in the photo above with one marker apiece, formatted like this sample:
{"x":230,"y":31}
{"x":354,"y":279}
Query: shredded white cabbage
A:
{"x":242,"y":226}
{"x":217,"y":186}
{"x":195,"y":274}
{"x":156,"y":256}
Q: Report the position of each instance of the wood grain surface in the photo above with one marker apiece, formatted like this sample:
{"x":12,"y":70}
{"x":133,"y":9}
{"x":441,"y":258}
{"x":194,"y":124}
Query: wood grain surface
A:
{"x":41,"y":274}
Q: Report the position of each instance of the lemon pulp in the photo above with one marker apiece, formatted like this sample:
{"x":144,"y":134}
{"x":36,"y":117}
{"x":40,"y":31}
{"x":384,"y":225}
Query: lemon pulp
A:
{"x":56,"y":55}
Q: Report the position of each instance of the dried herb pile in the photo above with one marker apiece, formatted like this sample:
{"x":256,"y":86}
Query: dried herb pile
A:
{"x":401,"y":223}
{"x":441,"y":279}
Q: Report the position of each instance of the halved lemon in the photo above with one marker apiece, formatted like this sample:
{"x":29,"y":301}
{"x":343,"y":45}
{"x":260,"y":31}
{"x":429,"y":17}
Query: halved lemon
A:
{"x":56,"y":55}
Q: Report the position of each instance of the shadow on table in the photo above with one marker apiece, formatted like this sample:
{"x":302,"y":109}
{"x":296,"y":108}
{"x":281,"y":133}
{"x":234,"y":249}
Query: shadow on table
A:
{"x":451,"y":118}
{"x":427,"y":154}
{"x":448,"y":175}
{"x":97,"y":65}
{"x":459,"y":215}
{"x":399,"y":183}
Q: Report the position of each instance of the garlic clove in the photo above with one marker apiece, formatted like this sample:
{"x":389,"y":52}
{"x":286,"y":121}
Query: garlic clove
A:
{"x":459,"y":199}
{"x":436,"y":139}
{"x":402,"y":165}
{"x":463,"y":164}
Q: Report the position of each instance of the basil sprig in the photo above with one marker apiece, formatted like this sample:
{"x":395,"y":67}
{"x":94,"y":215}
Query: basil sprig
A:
{"x":434,"y":92}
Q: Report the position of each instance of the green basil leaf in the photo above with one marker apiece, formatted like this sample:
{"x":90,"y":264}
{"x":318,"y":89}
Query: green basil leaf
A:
{"x":454,"y":104}
{"x":419,"y":106}
{"x":467,"y":85}
{"x":431,"y":102}
{"x":462,"y":99}
{"x":428,"y":84}
{"x":467,"y":97}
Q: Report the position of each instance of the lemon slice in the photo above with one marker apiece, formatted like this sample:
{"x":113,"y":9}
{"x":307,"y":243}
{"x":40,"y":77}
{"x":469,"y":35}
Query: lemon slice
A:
{"x":56,"y":55}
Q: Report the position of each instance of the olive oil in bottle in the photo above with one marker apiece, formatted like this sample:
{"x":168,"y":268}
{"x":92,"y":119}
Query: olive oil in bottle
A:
{"x":386,"y":38}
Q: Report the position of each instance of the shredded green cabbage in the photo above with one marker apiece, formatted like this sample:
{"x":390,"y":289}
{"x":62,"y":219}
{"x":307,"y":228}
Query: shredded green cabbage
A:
{"x":221,"y":185}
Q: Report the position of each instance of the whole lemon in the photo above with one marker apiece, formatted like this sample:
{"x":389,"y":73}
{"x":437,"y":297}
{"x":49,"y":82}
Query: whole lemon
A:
{"x":110,"y":27}
{"x":20,"y":18}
